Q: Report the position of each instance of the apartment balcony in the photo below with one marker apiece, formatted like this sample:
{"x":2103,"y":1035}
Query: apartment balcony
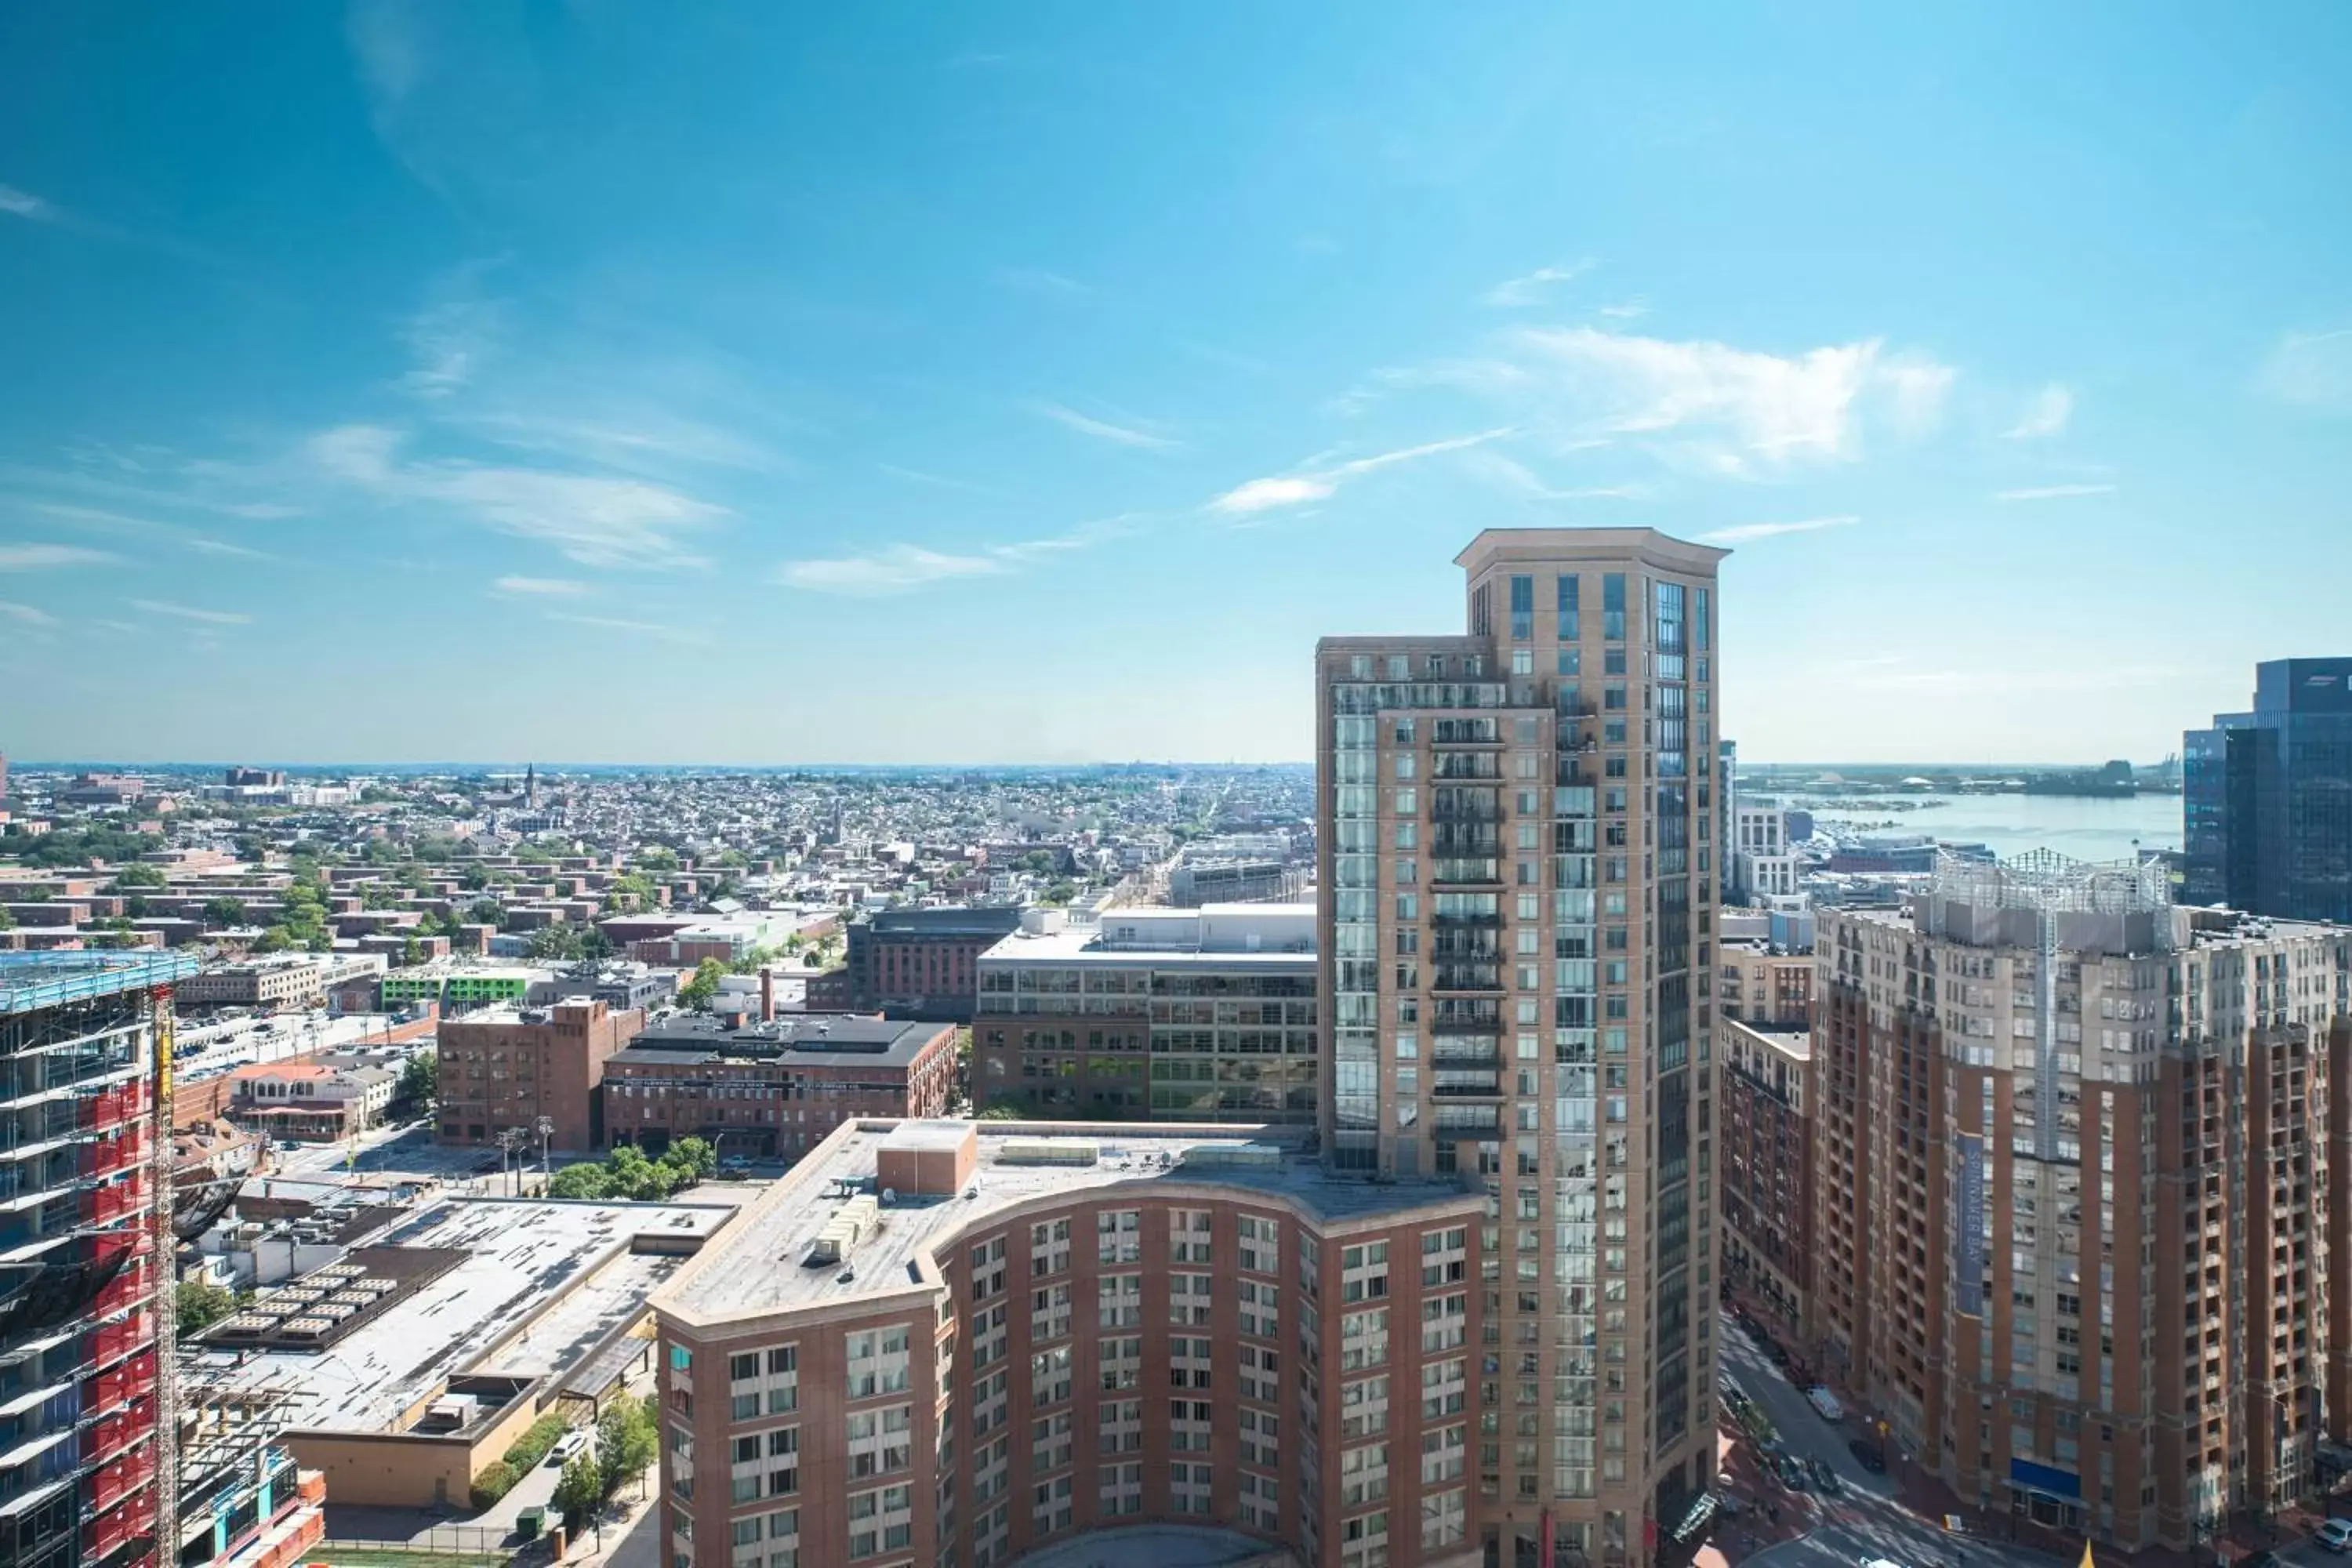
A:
{"x":1453,"y":1018}
{"x":1460,"y":1087}
{"x":113,"y":1531}
{"x":115,"y":1433}
{"x":102,"y":1205}
{"x":131,"y":1380}
{"x":1466,"y":872}
{"x":122,"y":1479}
{"x":117,"y":1107}
{"x":115,"y":1153}
{"x":1481,"y":767}
{"x":115,"y":1341}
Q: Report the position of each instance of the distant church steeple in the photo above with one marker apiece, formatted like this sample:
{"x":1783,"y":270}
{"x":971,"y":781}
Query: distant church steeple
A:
{"x":530,"y":786}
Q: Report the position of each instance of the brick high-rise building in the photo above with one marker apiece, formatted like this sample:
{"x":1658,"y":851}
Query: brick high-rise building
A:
{"x":1518,"y":866}
{"x":505,"y":1067}
{"x":83,"y":1466}
{"x":2075,"y":1193}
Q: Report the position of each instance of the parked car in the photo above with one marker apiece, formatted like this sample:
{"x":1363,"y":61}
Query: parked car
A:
{"x":1865,"y":1454}
{"x":1825,"y":1478}
{"x":2335,"y":1535}
{"x":565,"y":1446}
{"x":1824,"y":1403}
{"x":1792,"y":1473}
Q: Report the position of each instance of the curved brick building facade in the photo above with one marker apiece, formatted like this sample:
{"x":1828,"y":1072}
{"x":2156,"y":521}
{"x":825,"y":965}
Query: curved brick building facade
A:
{"x":941,"y":1342}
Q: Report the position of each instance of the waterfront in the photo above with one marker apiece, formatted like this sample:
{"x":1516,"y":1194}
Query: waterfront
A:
{"x":2083,"y":826}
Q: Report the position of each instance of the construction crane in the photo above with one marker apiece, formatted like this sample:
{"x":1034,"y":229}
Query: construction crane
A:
{"x":166,"y":1245}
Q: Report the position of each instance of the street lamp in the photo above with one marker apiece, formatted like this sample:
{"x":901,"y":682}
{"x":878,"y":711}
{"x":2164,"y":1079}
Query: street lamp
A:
{"x":546,"y":1126}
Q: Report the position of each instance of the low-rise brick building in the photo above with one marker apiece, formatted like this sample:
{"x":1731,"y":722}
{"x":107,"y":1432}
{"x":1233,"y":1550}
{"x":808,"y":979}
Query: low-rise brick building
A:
{"x":774,"y":1087}
{"x":507,"y":1067}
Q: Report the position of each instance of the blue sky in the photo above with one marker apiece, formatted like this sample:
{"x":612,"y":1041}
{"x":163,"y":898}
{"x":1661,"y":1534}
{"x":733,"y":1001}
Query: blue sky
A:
{"x":610,"y":381}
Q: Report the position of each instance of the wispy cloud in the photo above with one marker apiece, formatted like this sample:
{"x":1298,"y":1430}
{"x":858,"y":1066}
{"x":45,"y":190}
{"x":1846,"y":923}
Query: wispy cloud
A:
{"x":1738,"y":413}
{"x":2045,"y":413}
{"x":1626,"y":309}
{"x":1533,"y":288}
{"x":193,"y":613}
{"x":449,"y":341}
{"x":1102,"y":430}
{"x":540,"y":587}
{"x":2053,"y":492}
{"x":894,"y":569}
{"x":902,"y":568}
{"x":596,"y":519}
{"x":202,"y":546}
{"x":27,"y":614}
{"x":1038,"y":281}
{"x":687,"y":636}
{"x":26,"y":205}
{"x":2313,"y":369}
{"x":1748,"y":532}
{"x":938,"y":481}
{"x":1315,"y":484}
{"x":1507,"y":473}
{"x":45,"y":557}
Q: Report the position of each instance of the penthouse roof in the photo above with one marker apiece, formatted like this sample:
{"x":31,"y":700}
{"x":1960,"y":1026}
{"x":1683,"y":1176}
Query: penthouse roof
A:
{"x":760,"y":1265}
{"x":812,"y":1037}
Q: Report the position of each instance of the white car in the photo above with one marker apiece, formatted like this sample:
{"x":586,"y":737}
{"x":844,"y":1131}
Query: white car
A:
{"x":565,"y":1446}
{"x":2335,"y":1535}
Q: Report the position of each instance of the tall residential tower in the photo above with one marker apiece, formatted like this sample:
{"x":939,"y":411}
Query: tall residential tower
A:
{"x":1518,"y":856}
{"x":2268,"y":796}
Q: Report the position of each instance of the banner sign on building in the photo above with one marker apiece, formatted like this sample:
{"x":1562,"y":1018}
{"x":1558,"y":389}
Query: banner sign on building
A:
{"x":1970,"y":1269}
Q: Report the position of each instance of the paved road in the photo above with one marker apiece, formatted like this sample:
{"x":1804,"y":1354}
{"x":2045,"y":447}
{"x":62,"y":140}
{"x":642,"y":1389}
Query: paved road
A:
{"x":1864,"y":1521}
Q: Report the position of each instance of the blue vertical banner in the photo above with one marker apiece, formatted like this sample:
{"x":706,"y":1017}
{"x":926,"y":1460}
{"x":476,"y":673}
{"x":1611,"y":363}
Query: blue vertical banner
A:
{"x":1971,"y":1226}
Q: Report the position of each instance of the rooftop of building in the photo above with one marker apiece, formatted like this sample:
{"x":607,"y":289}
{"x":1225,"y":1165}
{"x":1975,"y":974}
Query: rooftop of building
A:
{"x":1786,"y":1039}
{"x":762,"y":1265}
{"x":538,"y":1285}
{"x":809,"y":1036}
{"x":987,"y":920}
{"x":1132,"y":935}
{"x":50,"y":979}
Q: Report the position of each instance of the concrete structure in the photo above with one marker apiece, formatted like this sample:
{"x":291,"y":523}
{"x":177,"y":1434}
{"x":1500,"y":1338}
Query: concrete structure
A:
{"x":1517,"y":833}
{"x":1761,"y":983}
{"x":82,"y":1290}
{"x":1764,"y":866}
{"x":459,"y":985}
{"x":281,"y":979}
{"x":777,"y":1088}
{"x":958,"y":1342}
{"x":1176,"y":1015}
{"x":1764,"y":1090}
{"x":2268,"y":796}
{"x":507,"y":1068}
{"x":2075,"y":1189}
{"x":922,"y":964}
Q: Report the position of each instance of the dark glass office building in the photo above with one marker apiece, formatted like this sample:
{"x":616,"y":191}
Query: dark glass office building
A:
{"x":2268,"y":796}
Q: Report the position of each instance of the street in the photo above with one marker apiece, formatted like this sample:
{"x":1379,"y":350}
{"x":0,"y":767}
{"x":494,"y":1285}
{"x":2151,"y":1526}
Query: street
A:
{"x":1865,"y":1520}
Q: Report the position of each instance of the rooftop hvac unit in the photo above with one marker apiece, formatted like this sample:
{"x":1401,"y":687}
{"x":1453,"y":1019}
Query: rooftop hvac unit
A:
{"x":1048,"y":1152}
{"x":1234,"y":1153}
{"x":850,"y":1225}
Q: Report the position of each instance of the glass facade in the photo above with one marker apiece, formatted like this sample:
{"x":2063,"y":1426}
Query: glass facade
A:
{"x":2267,"y":797}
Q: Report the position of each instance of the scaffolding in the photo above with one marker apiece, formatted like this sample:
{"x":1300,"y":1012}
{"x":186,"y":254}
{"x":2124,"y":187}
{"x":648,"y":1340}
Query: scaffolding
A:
{"x":2050,"y":883}
{"x":34,"y":980}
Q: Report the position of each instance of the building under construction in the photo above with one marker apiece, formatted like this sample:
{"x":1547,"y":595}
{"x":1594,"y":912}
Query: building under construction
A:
{"x":85,"y":1473}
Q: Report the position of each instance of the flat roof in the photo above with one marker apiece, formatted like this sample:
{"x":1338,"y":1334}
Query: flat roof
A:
{"x":50,"y":979}
{"x":811,"y":1038}
{"x":1079,"y":947}
{"x":519,"y":1258}
{"x":760,"y":1266}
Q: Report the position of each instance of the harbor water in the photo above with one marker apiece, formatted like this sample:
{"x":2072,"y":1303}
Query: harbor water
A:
{"x":2086,"y":827}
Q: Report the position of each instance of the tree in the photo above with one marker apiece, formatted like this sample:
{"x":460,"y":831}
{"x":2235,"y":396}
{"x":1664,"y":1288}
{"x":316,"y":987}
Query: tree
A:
{"x":199,"y":1304}
{"x":420,"y":1081}
{"x":580,"y":1491}
{"x":658,"y":858}
{"x":1059,"y":894}
{"x":629,"y":1174}
{"x":277,"y":939}
{"x":586,"y":1180}
{"x":695,"y":1156}
{"x":411,"y":950}
{"x":225,"y":911}
{"x":629,"y":1439}
{"x":138,"y":875}
{"x":486,"y":912}
{"x":556,"y":941}
{"x":699,"y":991}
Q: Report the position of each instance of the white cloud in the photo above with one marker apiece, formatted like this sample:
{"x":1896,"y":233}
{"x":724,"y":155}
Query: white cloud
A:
{"x":542,"y":587}
{"x":2045,"y":414}
{"x":2053,"y":492}
{"x":1102,"y":430}
{"x":1626,"y":310}
{"x":2312,"y":369}
{"x":192,"y":612}
{"x":1509,"y":474}
{"x":26,"y":205}
{"x":655,"y":629}
{"x":901,"y":568}
{"x":596,"y":519}
{"x":1733,"y":412}
{"x":1530,"y":289}
{"x":449,"y":341}
{"x":1297,"y":489}
{"x":27,"y":614}
{"x":41,"y":557}
{"x":893,"y":570}
{"x":1747,"y":532}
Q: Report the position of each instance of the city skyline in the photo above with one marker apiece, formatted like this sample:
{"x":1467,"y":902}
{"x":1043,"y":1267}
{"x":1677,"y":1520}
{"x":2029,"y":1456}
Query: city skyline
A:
{"x":499,"y":383}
